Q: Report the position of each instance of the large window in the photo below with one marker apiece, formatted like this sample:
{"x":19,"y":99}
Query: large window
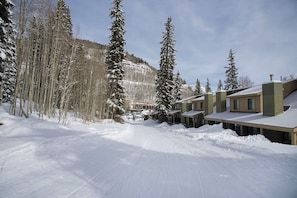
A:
{"x":251,"y":104}
{"x":236,"y":104}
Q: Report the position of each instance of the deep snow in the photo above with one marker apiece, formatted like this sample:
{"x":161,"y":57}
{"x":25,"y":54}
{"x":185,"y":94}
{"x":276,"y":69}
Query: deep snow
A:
{"x":40,"y":158}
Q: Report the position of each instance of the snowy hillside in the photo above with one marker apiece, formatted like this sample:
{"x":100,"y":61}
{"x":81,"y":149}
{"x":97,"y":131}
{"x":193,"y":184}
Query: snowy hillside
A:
{"x":40,"y":158}
{"x":139,"y":82}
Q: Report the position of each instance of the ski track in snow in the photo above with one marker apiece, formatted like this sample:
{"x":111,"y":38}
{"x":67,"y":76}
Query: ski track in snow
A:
{"x":139,"y":159}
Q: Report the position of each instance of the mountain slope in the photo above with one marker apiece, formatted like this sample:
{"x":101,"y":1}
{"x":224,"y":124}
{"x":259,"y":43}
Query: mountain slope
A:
{"x":139,"y":81}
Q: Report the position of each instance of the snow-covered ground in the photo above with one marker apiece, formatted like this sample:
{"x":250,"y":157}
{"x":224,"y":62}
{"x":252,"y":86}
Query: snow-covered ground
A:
{"x":40,"y":158}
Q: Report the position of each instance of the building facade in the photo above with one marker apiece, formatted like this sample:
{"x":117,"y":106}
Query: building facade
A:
{"x":269,"y":109}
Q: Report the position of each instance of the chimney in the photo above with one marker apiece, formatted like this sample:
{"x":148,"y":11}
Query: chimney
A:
{"x":221,"y":101}
{"x":271,"y":77}
{"x":208,"y":100}
{"x":272,"y":98}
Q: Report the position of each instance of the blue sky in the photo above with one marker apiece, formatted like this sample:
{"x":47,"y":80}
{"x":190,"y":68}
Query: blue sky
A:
{"x":261,"y":33}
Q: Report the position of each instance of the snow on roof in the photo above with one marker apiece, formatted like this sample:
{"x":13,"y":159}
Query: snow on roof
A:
{"x":200,"y":98}
{"x":191,"y":113}
{"x":272,"y":81}
{"x":291,"y":100}
{"x":173,"y":112}
{"x":287,"y":119}
{"x":290,"y":78}
{"x":250,"y":91}
{"x":186,"y":99}
{"x":203,"y":97}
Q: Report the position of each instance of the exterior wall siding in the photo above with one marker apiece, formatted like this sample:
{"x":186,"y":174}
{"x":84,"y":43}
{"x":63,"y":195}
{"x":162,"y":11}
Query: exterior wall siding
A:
{"x":221,"y":101}
{"x":243,"y":104}
{"x":178,"y":106}
{"x":186,"y":107}
{"x":294,"y":138}
{"x":209,"y":102}
{"x":198,"y":104}
{"x":272,"y":98}
{"x":289,"y":87}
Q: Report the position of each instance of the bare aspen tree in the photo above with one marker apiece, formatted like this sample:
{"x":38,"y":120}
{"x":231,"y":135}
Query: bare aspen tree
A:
{"x":78,"y":76}
{"x":67,"y":90}
{"x":31,"y":52}
{"x":55,"y":71}
{"x":21,"y":23}
{"x":23,"y":11}
{"x":47,"y":62}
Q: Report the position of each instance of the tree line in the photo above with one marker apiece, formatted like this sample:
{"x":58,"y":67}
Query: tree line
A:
{"x":232,"y":80}
{"x":44,"y":70}
{"x":50,"y":74}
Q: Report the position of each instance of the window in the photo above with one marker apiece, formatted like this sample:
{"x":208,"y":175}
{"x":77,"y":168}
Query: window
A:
{"x":251,"y":103}
{"x":236,"y":104}
{"x":201,"y":105}
{"x":196,"y":106}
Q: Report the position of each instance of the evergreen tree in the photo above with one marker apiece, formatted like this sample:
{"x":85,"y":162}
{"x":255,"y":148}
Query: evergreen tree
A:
{"x":177,"y":87}
{"x":7,"y":52}
{"x":198,"y":89}
{"x":220,"y":85}
{"x":114,"y":63}
{"x":207,"y":87}
{"x":231,"y":73}
{"x":165,"y":82}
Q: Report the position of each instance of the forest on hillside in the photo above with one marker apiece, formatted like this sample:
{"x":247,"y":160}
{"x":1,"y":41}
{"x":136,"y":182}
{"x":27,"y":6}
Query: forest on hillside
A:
{"x":53,"y":70}
{"x":50,"y":72}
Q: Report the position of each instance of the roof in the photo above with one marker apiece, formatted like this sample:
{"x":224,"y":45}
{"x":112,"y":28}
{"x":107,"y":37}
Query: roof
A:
{"x":291,"y":100}
{"x":173,"y":112}
{"x":200,"y":98}
{"x":188,"y":99}
{"x":203,"y":97}
{"x":191,"y":113}
{"x":250,"y":91}
{"x":286,"y":120}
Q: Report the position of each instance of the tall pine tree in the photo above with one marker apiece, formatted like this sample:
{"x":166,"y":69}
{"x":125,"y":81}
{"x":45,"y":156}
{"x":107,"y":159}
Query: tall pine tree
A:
{"x":165,"y":82}
{"x":220,"y":85}
{"x":198,"y":89}
{"x":177,"y":88}
{"x":231,"y":73}
{"x":207,"y":87}
{"x":7,"y":52}
{"x":114,"y":63}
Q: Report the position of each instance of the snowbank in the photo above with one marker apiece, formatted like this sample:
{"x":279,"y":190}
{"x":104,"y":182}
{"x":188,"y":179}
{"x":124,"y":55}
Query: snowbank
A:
{"x":40,"y":158}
